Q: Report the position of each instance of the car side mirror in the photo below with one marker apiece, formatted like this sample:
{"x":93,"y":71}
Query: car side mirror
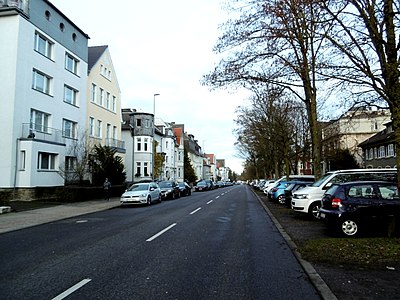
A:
{"x":151,"y":189}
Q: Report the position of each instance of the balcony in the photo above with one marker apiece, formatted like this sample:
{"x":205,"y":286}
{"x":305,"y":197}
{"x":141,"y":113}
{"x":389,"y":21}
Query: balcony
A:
{"x":117,"y":144}
{"x":47,"y":134}
{"x":10,"y":6}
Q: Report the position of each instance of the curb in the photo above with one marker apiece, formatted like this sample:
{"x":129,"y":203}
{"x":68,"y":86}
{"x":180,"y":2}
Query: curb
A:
{"x":322,"y":288}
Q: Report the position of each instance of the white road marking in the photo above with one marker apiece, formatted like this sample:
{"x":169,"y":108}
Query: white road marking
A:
{"x":160,"y":233}
{"x":210,"y":201}
{"x":196,"y":210}
{"x":217,"y":197}
{"x":72,"y":289}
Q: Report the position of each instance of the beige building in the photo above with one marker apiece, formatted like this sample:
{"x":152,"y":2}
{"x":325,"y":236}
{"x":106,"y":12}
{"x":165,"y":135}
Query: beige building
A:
{"x":350,"y":130}
{"x":104,"y":100}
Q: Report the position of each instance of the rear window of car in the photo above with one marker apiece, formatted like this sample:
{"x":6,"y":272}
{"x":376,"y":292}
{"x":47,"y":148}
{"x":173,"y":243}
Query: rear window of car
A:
{"x":389,"y":192}
{"x":362,"y":191}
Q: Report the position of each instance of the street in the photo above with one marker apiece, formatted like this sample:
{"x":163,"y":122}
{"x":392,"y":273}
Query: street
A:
{"x":217,"y":244}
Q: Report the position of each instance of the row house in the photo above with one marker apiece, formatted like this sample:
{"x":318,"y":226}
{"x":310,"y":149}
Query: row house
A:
{"x":49,"y":100}
{"x":350,"y":130}
{"x":195,"y":154}
{"x":138,"y":134}
{"x":380,"y":149}
{"x":104,"y":106}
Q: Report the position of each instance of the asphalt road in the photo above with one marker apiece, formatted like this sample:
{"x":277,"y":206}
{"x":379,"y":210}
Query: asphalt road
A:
{"x":212,"y":245}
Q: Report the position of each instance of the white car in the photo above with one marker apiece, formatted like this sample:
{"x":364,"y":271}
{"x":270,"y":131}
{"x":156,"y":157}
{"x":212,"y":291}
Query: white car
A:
{"x":141,"y":193}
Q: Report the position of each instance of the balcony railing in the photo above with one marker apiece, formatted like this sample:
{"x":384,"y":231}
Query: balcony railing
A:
{"x":115,"y":143}
{"x":44,"y":134}
{"x":22,"y":5}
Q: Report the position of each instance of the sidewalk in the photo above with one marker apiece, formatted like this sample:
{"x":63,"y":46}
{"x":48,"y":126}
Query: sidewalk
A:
{"x":23,"y":219}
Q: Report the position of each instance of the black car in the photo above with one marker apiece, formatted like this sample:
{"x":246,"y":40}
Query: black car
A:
{"x":169,"y":189}
{"x":351,"y":206}
{"x":201,"y":186}
{"x":185,"y":189}
{"x":292,"y":187}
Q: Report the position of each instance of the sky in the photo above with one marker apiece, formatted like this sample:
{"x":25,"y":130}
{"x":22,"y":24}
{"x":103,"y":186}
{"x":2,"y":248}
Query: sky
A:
{"x":165,"y":47}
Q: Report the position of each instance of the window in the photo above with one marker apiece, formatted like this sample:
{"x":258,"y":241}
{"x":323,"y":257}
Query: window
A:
{"x":145,"y":169}
{"x":70,"y":95}
{"x":71,"y":64}
{"x":115,"y":135}
{"x":138,"y":122}
{"x":46,"y":161}
{"x":371,"y":154}
{"x":390,"y":150}
{"x":70,"y":163}
{"x":93,"y":93}
{"x":39,"y":121}
{"x":381,"y":152}
{"x":98,"y":129}
{"x":145,"y":144}
{"x":69,"y":128}
{"x":138,"y":168}
{"x":41,"y":82}
{"x":22,"y":160}
{"x":108,"y":133}
{"x":101,"y":98}
{"x":114,"y":104}
{"x":43,"y":45}
{"x":108,"y":100}
{"x":139,"y":144}
{"x":166,"y":145}
{"x":91,"y":126}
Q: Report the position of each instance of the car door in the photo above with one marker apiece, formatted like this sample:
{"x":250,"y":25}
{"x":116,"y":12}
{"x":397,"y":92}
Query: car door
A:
{"x":363,"y":201}
{"x":153,"y":192}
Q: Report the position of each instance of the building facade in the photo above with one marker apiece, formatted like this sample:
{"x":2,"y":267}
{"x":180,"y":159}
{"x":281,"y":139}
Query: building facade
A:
{"x":104,"y":101}
{"x":43,"y":87}
{"x":350,"y":130}
{"x":380,"y":149}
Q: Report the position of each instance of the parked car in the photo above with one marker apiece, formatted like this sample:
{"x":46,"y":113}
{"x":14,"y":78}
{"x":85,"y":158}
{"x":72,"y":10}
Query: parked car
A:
{"x":184,"y":189}
{"x":141,"y":193}
{"x":308,"y":178}
{"x":308,"y":199}
{"x":291,"y":188}
{"x":169,"y":189}
{"x":210,"y":184}
{"x":347,"y":207}
{"x":277,"y":193}
{"x":201,"y":186}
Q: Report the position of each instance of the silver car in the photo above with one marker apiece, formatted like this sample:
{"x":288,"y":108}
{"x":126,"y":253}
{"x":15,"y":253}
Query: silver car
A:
{"x":141,"y":193}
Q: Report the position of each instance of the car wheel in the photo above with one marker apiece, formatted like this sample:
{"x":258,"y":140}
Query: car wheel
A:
{"x":148,"y":200}
{"x":349,"y":227}
{"x":281,"y":199}
{"x":313,"y":210}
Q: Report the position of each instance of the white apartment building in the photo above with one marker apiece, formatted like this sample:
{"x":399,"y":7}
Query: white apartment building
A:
{"x":43,"y":91}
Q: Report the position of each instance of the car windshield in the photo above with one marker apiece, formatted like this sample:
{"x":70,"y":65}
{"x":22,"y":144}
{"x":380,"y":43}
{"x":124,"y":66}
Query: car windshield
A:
{"x":321,"y":180}
{"x":165,"y":184}
{"x":181,"y":184}
{"x":139,"y":187}
{"x":201,"y":183}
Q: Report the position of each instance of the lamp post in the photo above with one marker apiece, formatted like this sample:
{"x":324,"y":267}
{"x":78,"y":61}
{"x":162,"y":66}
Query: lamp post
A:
{"x":154,"y":130}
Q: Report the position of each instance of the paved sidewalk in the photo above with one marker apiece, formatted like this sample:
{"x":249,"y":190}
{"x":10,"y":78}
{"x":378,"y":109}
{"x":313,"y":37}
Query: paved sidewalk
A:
{"x":19,"y":220}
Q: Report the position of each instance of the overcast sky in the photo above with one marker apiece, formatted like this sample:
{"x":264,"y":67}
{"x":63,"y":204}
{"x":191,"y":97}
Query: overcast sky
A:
{"x":165,"y":47}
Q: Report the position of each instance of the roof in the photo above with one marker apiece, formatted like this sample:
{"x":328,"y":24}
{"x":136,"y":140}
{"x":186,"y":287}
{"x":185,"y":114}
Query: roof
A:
{"x":94,"y":53}
{"x":382,"y":137}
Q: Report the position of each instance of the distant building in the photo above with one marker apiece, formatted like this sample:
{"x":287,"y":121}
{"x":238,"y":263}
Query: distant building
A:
{"x":350,"y":130}
{"x":380,"y":149}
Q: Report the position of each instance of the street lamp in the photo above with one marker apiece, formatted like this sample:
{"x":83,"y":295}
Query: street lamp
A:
{"x":154,"y":127}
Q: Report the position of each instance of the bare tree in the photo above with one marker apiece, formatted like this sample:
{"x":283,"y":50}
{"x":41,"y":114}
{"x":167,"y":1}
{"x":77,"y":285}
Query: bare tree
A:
{"x":76,"y":167}
{"x":276,"y":42}
{"x":366,"y":40}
